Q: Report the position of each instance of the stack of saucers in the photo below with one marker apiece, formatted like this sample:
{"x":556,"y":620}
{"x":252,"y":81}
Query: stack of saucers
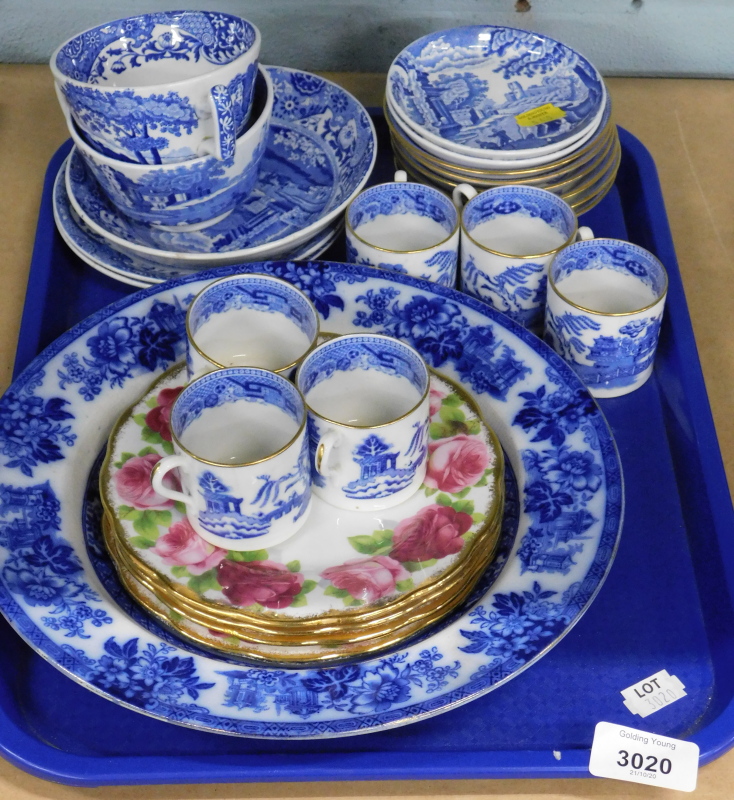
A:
{"x":189,"y":154}
{"x":373,"y":580}
{"x":489,"y":105}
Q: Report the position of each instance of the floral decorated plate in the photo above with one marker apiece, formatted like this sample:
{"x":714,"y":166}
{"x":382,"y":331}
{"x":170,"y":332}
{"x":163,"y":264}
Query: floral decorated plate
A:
{"x":346,"y":575}
{"x":492,"y":90}
{"x":320,"y":151}
{"x":132,"y":268}
{"x":58,"y":414}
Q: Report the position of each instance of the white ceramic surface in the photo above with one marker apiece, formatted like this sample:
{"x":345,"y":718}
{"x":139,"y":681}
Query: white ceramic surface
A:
{"x":605,"y":306}
{"x":161,"y":87}
{"x":368,"y":412}
{"x":249,"y":321}
{"x":405,"y":227}
{"x":241,"y":453}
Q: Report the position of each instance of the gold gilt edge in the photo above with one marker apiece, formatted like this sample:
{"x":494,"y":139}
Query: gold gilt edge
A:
{"x":541,"y":181}
{"x":431,"y":588}
{"x":589,"y":147}
{"x":339,"y":651}
{"x":427,"y":613}
{"x":605,"y":156}
{"x":515,"y":176}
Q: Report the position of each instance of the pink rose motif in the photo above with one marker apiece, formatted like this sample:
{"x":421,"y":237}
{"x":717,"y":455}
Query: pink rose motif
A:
{"x":367,"y":579}
{"x":270,"y":584}
{"x":183,"y":547}
{"x":158,"y":419}
{"x":434,"y":532}
{"x":435,"y":398}
{"x":133,"y":485}
{"x":455,"y":463}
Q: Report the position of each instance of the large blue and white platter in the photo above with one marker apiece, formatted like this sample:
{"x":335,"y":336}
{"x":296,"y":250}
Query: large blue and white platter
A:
{"x":58,"y":413}
{"x":320,"y":151}
{"x":463,"y":89}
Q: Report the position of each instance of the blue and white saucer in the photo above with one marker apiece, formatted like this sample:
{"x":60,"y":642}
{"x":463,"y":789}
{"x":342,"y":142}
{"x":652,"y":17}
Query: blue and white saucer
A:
{"x":136,"y":270}
{"x":320,"y":152}
{"x":56,"y":418}
{"x":487,"y":89}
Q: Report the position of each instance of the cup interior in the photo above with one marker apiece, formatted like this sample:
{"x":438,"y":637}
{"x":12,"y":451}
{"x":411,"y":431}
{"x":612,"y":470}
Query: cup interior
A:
{"x":157,"y":48}
{"x":402,"y":217}
{"x":237,"y":416}
{"x":253,"y":321}
{"x":363,"y":381}
{"x":606,"y":276}
{"x":519,"y":221}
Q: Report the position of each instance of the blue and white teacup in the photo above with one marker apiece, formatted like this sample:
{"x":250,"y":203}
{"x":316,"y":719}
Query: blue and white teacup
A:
{"x":190,"y":194}
{"x":249,"y":320}
{"x":605,"y":306}
{"x":509,"y":235}
{"x":405,"y":227}
{"x":161,"y":87}
{"x":367,"y":399}
{"x":240,"y":448}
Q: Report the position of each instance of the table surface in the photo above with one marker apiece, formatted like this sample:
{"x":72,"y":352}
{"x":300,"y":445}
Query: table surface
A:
{"x":686,"y":125}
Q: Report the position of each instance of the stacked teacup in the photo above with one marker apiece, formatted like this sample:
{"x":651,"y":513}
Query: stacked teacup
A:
{"x":169,"y":111}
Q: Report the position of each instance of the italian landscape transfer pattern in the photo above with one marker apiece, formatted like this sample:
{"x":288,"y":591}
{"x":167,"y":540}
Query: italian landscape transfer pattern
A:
{"x":468,"y":85}
{"x":376,"y":564}
{"x":214,"y":37}
{"x":318,"y":153}
{"x":136,"y":125}
{"x":94,"y":249}
{"x":510,"y":627}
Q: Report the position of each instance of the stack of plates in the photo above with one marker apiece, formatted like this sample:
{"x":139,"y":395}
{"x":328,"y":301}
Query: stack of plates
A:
{"x":321,"y":149}
{"x":347,"y":584}
{"x":489,"y":105}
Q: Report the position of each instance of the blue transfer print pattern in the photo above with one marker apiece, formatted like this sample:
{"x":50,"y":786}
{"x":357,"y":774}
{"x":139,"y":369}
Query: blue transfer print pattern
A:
{"x":523,"y":201}
{"x":436,"y":327}
{"x":608,"y":361}
{"x":402,"y":199}
{"x":214,"y":37}
{"x":144,"y":675}
{"x":380,"y":475}
{"x":125,"y":346}
{"x":256,"y":293}
{"x":319,"y":151}
{"x":440,"y":267}
{"x":562,"y":481}
{"x":42,"y":568}
{"x":150,"y":678}
{"x":356,"y":688}
{"x":518,"y":291}
{"x":519,"y":625}
{"x":467,"y":85}
{"x":32,"y":429}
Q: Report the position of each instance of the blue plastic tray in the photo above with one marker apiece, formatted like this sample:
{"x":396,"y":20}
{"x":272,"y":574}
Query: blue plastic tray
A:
{"x":667,"y":603}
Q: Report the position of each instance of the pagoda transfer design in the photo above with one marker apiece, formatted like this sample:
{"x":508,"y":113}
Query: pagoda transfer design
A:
{"x":380,"y":475}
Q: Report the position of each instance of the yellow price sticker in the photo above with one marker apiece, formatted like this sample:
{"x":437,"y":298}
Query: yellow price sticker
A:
{"x":539,"y":115}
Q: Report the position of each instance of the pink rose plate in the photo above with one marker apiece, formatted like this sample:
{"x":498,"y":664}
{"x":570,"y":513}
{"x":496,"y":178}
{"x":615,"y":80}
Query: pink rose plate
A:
{"x":339,"y":560}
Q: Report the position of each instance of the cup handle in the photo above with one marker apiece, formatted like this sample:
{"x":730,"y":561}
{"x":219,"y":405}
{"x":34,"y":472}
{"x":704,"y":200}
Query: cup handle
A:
{"x":584,"y":233}
{"x":324,"y":450}
{"x":401,"y":176}
{"x":160,"y":470}
{"x":223,"y":116}
{"x":462,"y":193}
